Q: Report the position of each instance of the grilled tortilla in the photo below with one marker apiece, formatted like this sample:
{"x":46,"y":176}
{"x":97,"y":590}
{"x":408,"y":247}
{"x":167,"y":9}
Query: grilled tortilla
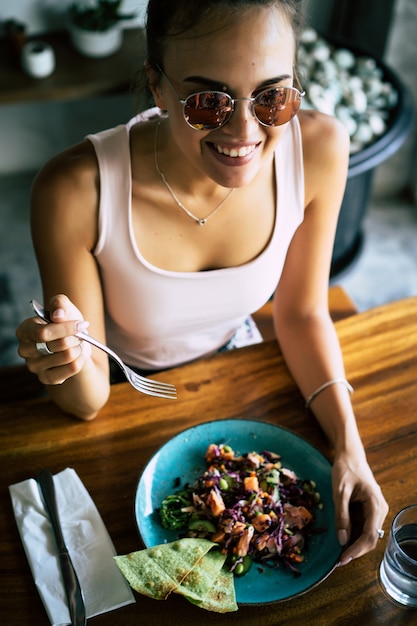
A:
{"x":209,"y":586}
{"x":187,"y":567}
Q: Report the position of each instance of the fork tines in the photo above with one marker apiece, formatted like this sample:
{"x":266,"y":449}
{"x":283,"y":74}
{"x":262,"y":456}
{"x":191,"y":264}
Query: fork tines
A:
{"x":157,"y":388}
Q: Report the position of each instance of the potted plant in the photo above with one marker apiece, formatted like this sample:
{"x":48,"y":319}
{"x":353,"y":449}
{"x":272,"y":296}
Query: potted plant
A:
{"x":15,"y":36}
{"x":95,"y":26}
{"x":377,"y":110}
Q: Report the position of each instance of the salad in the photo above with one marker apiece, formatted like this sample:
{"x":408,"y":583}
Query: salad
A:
{"x":249,"y":504}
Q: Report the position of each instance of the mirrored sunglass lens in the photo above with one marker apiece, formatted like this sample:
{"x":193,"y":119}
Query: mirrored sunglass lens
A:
{"x":207,"y":110}
{"x":276,"y":106}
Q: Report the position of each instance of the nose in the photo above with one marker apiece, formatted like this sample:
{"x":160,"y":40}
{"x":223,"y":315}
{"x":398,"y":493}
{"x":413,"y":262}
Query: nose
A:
{"x":242,"y":120}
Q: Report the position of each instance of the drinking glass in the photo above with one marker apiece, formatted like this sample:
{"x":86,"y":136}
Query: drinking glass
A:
{"x":398,"y":569}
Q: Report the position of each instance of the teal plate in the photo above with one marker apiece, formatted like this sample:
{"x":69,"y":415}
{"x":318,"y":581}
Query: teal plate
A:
{"x":181,"y":461}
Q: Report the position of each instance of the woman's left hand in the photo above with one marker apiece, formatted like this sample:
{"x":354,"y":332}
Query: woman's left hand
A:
{"x":354,"y":485}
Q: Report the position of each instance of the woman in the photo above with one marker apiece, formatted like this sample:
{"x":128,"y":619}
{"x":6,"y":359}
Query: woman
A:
{"x":167,"y":232}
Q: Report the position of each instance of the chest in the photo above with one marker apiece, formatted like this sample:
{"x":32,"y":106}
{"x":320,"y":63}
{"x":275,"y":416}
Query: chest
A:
{"x":233,"y":235}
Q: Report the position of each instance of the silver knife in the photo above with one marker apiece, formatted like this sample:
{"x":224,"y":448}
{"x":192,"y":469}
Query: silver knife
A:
{"x":71,"y":583}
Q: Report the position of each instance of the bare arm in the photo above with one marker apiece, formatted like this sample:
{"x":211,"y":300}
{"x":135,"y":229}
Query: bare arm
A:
{"x":301,"y":302}
{"x":64,"y":230}
{"x":308,"y":338}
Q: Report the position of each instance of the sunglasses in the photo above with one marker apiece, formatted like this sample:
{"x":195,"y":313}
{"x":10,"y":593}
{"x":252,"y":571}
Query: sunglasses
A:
{"x":207,"y":110}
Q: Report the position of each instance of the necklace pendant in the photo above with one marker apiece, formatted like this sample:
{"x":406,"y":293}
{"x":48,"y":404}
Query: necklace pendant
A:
{"x":200,"y":222}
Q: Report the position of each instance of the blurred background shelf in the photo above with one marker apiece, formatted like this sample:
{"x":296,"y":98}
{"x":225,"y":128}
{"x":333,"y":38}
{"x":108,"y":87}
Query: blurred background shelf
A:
{"x":75,"y":76}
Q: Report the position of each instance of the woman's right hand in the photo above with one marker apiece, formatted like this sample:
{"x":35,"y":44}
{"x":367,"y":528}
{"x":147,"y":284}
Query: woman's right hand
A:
{"x":69,"y":353}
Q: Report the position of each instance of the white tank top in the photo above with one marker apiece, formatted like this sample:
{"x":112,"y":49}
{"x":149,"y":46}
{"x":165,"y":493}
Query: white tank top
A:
{"x":156,"y":318}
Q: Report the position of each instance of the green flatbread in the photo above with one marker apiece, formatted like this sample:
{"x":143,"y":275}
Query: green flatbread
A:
{"x":158,"y":571}
{"x":188,"y":567}
{"x":145,"y":576}
{"x":209,"y":586}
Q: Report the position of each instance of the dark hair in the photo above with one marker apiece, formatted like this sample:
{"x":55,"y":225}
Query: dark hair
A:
{"x":168,"y":19}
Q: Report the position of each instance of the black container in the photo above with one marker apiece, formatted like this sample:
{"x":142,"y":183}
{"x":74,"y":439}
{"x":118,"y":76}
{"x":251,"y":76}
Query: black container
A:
{"x":349,"y":234}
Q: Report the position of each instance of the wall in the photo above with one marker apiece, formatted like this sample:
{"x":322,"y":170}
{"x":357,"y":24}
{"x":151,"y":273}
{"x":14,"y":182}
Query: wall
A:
{"x":43,"y":15}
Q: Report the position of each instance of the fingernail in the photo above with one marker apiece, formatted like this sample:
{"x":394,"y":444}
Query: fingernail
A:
{"x":342,"y":536}
{"x":344,"y":562}
{"x":82,"y":326}
{"x":58,"y":314}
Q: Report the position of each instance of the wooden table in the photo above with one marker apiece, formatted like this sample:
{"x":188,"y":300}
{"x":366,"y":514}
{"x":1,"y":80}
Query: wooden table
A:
{"x":380,"y":348}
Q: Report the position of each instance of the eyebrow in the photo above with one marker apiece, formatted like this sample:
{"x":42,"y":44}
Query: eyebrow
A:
{"x":218,"y":86}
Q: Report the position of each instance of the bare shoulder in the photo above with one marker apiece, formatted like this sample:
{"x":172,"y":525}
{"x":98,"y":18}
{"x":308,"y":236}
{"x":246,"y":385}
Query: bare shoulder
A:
{"x":75,"y":166}
{"x":66,"y":190}
{"x":325,"y":151}
{"x":322,"y":135}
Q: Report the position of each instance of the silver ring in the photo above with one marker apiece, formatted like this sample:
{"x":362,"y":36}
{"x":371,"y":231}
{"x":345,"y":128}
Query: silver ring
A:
{"x":381,"y":533}
{"x":42,"y":348}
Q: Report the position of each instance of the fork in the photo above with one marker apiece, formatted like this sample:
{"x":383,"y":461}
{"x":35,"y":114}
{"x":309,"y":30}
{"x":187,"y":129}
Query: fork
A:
{"x":142,"y":384}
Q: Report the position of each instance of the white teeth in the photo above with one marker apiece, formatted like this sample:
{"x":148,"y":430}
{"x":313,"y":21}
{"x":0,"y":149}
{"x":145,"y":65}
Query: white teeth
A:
{"x":235,"y":152}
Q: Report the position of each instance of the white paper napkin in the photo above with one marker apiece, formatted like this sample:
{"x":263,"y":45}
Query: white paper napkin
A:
{"x":87,"y":540}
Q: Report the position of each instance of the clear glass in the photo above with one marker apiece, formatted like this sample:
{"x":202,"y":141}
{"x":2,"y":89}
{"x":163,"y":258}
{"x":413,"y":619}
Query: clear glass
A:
{"x":398,"y":569}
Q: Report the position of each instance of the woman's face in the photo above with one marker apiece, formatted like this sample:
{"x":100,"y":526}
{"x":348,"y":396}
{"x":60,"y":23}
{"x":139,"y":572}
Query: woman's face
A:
{"x":255,"y":52}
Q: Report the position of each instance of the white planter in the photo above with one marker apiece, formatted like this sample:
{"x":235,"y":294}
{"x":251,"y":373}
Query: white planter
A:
{"x":38,"y":59}
{"x":96,"y":44}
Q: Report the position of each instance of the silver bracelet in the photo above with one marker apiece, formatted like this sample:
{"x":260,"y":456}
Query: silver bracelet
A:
{"x":334,"y":381}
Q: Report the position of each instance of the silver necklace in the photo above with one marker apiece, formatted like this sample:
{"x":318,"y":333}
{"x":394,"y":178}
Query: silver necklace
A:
{"x":200,"y":221}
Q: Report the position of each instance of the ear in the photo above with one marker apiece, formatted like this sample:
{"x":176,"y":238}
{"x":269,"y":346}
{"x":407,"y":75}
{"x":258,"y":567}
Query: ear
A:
{"x":154,"y":78}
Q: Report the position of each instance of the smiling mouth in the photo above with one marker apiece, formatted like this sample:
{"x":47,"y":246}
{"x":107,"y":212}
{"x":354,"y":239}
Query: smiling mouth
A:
{"x":235,"y":152}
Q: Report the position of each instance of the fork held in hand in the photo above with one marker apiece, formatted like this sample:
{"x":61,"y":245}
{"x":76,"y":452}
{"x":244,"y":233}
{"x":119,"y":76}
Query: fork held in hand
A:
{"x":142,"y":384}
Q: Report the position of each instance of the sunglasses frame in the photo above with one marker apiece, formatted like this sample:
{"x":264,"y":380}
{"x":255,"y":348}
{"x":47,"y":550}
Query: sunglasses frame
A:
{"x":252,"y":101}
